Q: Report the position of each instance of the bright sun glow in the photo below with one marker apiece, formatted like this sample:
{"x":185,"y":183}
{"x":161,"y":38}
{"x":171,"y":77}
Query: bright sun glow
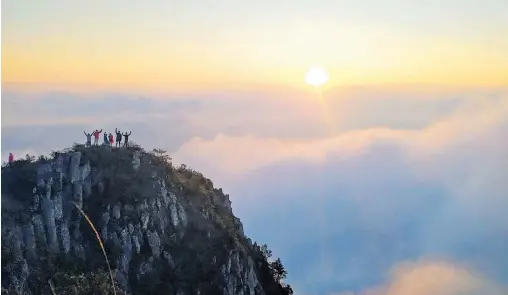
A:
{"x":316,"y":77}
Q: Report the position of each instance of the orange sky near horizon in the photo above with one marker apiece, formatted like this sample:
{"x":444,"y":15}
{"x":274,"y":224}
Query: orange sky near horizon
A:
{"x":97,"y":48}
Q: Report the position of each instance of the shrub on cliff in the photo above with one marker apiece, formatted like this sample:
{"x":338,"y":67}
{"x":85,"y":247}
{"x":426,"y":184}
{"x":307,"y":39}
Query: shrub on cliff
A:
{"x":20,"y":177}
{"x":90,"y":283}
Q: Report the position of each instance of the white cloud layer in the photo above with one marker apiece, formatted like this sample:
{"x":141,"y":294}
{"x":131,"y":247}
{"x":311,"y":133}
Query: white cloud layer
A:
{"x":367,"y":198}
{"x":343,"y":193}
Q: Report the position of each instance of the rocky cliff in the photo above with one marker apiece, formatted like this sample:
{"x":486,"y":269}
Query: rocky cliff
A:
{"x":165,"y":230}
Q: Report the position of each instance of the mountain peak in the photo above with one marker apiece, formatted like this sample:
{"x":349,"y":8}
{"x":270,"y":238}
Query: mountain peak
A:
{"x":163,"y":229}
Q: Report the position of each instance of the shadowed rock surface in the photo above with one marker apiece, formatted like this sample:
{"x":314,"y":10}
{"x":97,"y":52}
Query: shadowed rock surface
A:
{"x":166,"y":230}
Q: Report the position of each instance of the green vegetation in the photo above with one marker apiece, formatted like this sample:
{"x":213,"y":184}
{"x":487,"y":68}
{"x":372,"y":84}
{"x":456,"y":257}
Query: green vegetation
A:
{"x":89,"y":283}
{"x":270,"y":274}
{"x":20,"y":178}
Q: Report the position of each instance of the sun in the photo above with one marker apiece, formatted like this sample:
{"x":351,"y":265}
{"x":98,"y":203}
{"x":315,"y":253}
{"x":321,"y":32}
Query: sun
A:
{"x":316,"y":76}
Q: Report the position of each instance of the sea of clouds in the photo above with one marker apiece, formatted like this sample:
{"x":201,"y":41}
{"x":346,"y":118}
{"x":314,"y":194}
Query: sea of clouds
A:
{"x":375,"y":191}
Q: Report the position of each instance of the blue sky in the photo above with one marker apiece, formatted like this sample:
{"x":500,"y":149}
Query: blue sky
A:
{"x":398,"y":186}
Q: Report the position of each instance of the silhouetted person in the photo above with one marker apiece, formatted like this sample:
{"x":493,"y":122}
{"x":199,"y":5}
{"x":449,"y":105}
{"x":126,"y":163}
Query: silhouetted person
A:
{"x":106,"y":139}
{"x":126,"y":140}
{"x":88,"y":138}
{"x":11,"y":158}
{"x":118,"y":137}
{"x":96,"y":135}
{"x":111,"y":140}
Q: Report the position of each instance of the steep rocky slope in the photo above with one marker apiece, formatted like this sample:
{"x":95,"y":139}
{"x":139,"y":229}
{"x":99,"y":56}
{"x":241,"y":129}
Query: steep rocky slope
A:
{"x":166,"y":230}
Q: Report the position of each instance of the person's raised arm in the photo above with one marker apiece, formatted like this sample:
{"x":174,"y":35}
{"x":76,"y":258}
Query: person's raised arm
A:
{"x":116,"y":130}
{"x":130,"y":133}
{"x":84,"y":132}
{"x":100,"y":131}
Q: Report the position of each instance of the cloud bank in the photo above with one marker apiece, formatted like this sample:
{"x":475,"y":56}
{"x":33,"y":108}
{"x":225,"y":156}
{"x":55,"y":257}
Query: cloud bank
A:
{"x":374,"y":192}
{"x":433,"y":277}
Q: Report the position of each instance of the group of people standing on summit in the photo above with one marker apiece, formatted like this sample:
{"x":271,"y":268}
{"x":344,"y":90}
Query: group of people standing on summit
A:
{"x":108,"y":138}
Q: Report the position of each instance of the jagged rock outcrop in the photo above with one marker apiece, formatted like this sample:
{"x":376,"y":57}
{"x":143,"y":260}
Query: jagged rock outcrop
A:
{"x":165,"y":230}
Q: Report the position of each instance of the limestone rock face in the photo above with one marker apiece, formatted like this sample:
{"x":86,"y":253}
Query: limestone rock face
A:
{"x":156,"y":223}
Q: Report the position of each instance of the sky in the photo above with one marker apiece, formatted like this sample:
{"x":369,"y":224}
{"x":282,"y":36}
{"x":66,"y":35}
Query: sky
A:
{"x":393,"y":183}
{"x":185,"y":46}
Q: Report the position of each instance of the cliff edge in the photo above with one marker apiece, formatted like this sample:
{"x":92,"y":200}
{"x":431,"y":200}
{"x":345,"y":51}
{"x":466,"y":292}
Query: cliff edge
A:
{"x":165,"y":229}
